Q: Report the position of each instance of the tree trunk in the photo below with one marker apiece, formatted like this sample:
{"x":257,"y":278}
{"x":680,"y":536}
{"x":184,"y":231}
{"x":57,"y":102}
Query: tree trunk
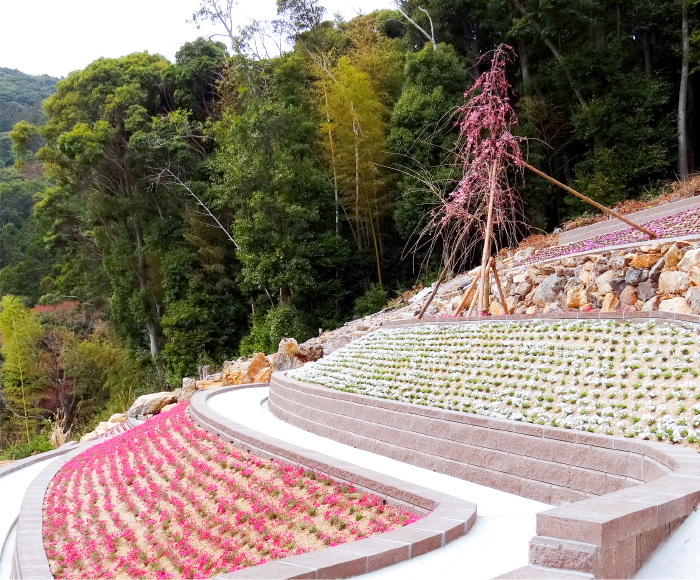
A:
{"x":335,"y":174}
{"x":648,"y":63}
{"x":527,"y":80}
{"x":555,"y":51}
{"x":683,"y":96}
{"x":142,"y":276}
{"x":357,"y":178}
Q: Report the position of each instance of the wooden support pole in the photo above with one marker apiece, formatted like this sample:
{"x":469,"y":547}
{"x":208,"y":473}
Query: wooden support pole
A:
{"x":602,"y":208}
{"x":463,"y":303}
{"x":500,"y":290}
{"x":443,"y":274}
{"x":475,"y":299}
{"x":486,"y":256}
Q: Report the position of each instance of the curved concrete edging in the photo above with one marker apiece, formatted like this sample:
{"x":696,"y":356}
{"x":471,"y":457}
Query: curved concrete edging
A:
{"x":27,"y":461}
{"x":29,"y":559}
{"x":12,"y":497}
{"x":449,"y":519}
{"x":628,"y":495}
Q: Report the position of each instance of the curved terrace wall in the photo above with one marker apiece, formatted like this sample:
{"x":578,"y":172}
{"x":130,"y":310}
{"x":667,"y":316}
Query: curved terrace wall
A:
{"x":449,"y":517}
{"x":618,"y":498}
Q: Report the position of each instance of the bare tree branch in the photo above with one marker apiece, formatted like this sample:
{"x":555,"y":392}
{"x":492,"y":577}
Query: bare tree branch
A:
{"x":430,"y":37}
{"x":200,"y":203}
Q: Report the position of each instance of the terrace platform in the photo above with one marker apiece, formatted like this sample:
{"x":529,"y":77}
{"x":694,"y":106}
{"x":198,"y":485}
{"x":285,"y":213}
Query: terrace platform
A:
{"x":614,"y":225}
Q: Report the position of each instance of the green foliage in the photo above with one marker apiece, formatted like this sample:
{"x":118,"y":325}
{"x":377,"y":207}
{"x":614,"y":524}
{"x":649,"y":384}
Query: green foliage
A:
{"x":422,"y":134}
{"x":108,"y":378}
{"x":216,"y":204}
{"x":635,"y":139}
{"x":280,"y":322}
{"x":370,"y":302}
{"x":38,"y":444}
{"x":20,"y":331}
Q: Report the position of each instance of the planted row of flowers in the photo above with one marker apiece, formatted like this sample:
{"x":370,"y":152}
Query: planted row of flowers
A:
{"x":684,"y":223}
{"x":169,"y":500}
{"x":636,"y":380}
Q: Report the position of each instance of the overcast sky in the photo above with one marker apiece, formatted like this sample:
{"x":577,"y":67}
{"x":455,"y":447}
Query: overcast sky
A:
{"x":55,"y":38}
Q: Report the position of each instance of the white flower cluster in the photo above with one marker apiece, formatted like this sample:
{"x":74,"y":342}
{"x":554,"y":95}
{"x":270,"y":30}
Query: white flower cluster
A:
{"x":637,"y":380}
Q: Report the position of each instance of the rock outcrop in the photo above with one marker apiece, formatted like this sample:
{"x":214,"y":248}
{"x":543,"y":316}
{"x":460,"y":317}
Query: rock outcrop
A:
{"x":147,"y":405}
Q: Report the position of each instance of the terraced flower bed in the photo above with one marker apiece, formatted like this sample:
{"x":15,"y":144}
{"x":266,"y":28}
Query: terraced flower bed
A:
{"x":169,"y":500}
{"x":681,"y":224}
{"x":635,"y":380}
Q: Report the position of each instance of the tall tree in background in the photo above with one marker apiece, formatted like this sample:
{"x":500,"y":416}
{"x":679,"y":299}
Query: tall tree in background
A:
{"x":354,"y":95}
{"x":112,"y":128}
{"x":271,"y":182}
{"x":355,"y":126}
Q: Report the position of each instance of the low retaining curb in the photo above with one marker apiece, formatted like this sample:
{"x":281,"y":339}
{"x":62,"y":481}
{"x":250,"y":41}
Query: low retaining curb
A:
{"x":618,"y":498}
{"x":449,"y":517}
{"x":27,"y":461}
{"x":29,"y":558}
{"x":635,"y":317}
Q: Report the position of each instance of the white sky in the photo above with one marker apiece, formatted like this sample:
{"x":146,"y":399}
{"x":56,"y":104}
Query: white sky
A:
{"x":56,"y":37}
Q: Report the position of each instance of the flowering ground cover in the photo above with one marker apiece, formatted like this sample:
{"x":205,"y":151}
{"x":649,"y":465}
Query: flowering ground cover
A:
{"x":683,"y":223}
{"x":169,"y":500}
{"x":636,"y":380}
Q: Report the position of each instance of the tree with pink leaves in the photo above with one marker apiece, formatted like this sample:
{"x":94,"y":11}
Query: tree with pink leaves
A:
{"x":484,"y":197}
{"x":486,"y":149}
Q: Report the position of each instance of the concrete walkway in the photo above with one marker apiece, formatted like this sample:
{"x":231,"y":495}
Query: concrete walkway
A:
{"x":496,"y":544}
{"x":12,"y":489}
{"x":679,"y":557}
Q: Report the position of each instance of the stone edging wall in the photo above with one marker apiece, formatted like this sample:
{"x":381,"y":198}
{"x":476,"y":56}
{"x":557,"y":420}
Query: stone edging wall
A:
{"x":618,"y":498}
{"x":27,"y":461}
{"x":449,"y":519}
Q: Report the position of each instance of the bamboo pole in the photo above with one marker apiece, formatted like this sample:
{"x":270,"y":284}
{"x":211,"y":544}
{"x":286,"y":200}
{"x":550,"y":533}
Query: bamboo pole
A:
{"x":468,"y":292}
{"x":443,"y":274}
{"x":602,"y":208}
{"x":500,"y":289}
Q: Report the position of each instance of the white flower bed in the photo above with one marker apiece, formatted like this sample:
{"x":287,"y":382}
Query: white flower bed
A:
{"x":635,"y":380}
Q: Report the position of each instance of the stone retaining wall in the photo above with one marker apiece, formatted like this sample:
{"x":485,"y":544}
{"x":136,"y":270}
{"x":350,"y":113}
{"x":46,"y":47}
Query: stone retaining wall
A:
{"x":661,"y":276}
{"x":617,"y":498}
{"x":449,"y":517}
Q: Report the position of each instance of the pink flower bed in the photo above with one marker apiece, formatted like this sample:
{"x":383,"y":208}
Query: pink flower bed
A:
{"x":169,"y":500}
{"x":681,"y":224}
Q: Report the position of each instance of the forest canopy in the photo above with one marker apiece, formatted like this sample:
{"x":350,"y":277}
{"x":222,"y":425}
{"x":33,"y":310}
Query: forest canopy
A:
{"x":159,"y":215}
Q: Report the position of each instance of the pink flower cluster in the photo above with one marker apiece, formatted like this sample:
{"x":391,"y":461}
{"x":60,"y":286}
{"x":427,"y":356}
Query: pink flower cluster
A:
{"x":169,"y":500}
{"x":684,"y":223}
